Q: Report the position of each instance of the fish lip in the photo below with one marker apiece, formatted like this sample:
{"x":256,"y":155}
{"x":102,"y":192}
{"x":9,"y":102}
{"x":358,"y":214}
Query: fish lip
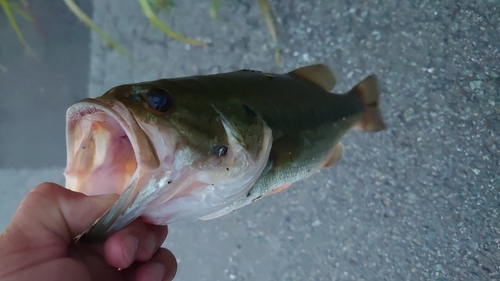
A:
{"x":144,"y":150}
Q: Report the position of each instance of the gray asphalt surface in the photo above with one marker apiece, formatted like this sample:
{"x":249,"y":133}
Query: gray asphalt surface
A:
{"x":35,"y":93}
{"x":419,"y":201}
{"x":34,"y":96}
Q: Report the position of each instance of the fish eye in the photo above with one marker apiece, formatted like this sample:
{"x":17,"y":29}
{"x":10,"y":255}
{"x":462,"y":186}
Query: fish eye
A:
{"x":159,"y":99}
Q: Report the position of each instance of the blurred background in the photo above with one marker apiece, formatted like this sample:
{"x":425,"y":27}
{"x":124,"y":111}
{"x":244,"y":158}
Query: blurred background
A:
{"x":419,"y":201}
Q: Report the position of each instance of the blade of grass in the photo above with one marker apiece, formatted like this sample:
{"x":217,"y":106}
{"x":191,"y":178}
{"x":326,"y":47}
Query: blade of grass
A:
{"x":13,"y":23}
{"x":266,"y":12}
{"x":162,"y":5}
{"x":16,"y":8}
{"x":89,"y":23}
{"x":213,"y":10}
{"x":148,"y":12}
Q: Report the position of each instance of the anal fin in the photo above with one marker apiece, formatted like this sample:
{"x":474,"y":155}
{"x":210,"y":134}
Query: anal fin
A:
{"x":278,"y":189}
{"x":334,"y":156}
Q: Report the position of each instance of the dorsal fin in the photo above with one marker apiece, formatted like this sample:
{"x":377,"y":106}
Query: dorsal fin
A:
{"x":319,"y":74}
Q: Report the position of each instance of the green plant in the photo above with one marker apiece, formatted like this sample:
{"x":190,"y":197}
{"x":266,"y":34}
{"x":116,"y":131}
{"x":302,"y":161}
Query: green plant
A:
{"x":149,"y":7}
{"x":10,"y":9}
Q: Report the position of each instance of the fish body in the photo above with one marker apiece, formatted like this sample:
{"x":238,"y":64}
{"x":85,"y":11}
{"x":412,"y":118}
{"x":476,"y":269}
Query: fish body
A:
{"x":204,"y":146}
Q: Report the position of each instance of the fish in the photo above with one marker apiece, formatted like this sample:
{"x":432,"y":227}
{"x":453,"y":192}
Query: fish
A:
{"x":204,"y":146}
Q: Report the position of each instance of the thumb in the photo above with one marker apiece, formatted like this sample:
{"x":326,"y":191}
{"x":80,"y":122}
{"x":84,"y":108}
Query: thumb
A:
{"x":51,"y":211}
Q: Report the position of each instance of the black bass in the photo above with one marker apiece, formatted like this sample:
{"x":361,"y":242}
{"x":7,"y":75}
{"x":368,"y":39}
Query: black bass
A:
{"x":204,"y":146}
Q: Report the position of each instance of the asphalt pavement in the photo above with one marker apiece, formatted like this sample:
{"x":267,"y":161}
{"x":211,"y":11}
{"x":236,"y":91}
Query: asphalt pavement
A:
{"x":419,"y":201}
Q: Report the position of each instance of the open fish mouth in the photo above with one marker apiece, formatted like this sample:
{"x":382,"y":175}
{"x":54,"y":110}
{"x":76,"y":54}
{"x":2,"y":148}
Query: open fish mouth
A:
{"x":106,"y":148}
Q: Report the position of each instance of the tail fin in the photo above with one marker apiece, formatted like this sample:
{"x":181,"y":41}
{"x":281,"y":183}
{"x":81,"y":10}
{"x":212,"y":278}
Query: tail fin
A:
{"x":369,"y":92}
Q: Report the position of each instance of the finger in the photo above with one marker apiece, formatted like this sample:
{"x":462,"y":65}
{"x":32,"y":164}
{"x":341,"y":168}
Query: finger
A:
{"x":160,"y":231}
{"x":137,"y":241}
{"x":52,"y":214}
{"x":51,"y":270}
{"x":161,"y":267}
{"x":94,"y":263}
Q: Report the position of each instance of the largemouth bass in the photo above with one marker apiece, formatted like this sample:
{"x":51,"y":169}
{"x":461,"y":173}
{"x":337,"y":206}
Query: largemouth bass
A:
{"x":204,"y":146}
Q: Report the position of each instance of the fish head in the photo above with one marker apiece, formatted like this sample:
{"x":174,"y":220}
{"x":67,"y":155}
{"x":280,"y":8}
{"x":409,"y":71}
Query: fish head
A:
{"x":167,"y":151}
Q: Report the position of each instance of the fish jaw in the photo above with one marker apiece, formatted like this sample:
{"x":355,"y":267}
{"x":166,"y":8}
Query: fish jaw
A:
{"x":106,"y":148}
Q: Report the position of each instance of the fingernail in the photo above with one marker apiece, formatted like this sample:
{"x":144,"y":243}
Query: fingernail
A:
{"x":156,"y":271}
{"x":129,"y":247}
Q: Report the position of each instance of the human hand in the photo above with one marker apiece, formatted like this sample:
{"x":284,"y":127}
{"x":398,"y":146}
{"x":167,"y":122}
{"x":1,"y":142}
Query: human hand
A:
{"x":38,"y":243}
